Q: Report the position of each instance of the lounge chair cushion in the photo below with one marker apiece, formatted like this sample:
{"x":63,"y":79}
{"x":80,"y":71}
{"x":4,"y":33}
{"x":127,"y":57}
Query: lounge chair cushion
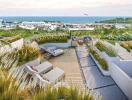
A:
{"x":54,"y":50}
{"x":58,"y":52}
{"x":55,"y":75}
{"x":44,"y":67}
{"x":33,"y":63}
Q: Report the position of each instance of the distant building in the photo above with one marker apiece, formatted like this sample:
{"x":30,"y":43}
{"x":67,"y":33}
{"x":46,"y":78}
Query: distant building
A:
{"x":120,"y":26}
{"x":1,"y":22}
{"x":108,"y":26}
{"x":80,"y":27}
{"x":31,"y":25}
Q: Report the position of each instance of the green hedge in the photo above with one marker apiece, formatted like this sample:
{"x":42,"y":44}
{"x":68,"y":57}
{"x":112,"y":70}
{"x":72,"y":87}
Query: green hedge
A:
{"x":100,"y":60}
{"x":51,"y":38}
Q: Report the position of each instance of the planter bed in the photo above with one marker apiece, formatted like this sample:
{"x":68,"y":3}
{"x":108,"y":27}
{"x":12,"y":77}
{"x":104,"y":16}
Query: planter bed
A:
{"x":104,"y":72}
{"x":108,"y":49}
{"x":100,"y":62}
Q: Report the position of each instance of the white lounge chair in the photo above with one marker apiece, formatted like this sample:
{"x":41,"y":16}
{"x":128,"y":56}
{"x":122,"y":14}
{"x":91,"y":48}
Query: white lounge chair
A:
{"x":44,"y":67}
{"x":58,"y":52}
{"x":30,"y":70}
{"x":51,"y":77}
{"x":53,"y":50}
{"x":54,"y":75}
{"x":40,"y":79}
{"x":41,"y":68}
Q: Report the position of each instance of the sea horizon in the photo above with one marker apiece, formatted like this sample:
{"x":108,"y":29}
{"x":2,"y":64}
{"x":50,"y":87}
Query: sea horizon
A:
{"x":63,"y":19}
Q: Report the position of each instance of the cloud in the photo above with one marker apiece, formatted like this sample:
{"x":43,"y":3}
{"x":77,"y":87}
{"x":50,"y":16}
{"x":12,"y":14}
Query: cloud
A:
{"x":65,"y":7}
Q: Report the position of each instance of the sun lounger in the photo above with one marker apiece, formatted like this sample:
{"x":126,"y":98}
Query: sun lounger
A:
{"x":51,"y":77}
{"x":58,"y":52}
{"x":54,"y":75}
{"x":29,"y":69}
{"x":44,"y":67}
{"x":40,"y":79}
{"x":53,"y":50}
{"x":41,"y":68}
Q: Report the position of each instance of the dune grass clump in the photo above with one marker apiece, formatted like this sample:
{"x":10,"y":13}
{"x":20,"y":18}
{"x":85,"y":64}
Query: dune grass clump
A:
{"x":25,"y":54}
{"x":100,"y":60}
{"x":108,"y":49}
{"x":61,"y":93}
{"x":13,"y":39}
{"x":127,"y":45}
{"x":9,"y":89}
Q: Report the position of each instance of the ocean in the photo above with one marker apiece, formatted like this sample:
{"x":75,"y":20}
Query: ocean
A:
{"x":84,"y":19}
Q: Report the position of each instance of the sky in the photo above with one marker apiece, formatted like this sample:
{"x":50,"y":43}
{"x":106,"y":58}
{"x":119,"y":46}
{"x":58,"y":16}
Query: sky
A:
{"x":65,"y":7}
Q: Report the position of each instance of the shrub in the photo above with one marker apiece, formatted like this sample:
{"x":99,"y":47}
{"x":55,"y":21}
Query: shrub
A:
{"x":100,"y":60}
{"x":108,"y":49}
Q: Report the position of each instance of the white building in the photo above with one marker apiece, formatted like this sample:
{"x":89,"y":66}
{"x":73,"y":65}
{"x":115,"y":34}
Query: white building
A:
{"x":1,"y":22}
{"x":33,"y":23}
{"x":80,"y":27}
{"x":121,"y":26}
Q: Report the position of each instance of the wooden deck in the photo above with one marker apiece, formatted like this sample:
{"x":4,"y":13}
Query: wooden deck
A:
{"x":69,"y":63}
